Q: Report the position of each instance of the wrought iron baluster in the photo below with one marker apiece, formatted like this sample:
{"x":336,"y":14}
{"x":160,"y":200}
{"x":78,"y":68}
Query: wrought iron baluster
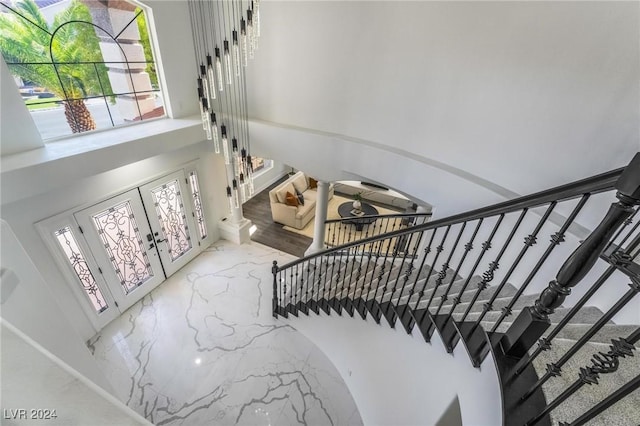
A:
{"x":486,"y":245}
{"x":355,"y":279}
{"x":545,"y":342}
{"x":391,"y":268}
{"x":533,"y":322}
{"x":315,"y":294}
{"x":529,"y":241}
{"x":625,"y":390}
{"x":427,"y":250}
{"x":439,"y":250}
{"x":488,"y":276}
{"x":382,"y":271}
{"x":320,"y":283}
{"x":275,"y":303}
{"x":445,"y":266}
{"x":368,"y":280}
{"x":343,"y":277}
{"x":291,"y":288}
{"x":410,"y":268}
{"x":467,"y":248}
{"x":601,"y":363}
{"x":555,"y":369}
{"x":556,"y":239}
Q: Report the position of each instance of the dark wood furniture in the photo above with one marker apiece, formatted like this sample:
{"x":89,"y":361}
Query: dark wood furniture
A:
{"x":345,"y":211}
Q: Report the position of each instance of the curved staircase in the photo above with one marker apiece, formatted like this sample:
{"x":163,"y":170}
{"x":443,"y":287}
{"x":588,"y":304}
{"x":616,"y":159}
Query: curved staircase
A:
{"x":560,"y":360}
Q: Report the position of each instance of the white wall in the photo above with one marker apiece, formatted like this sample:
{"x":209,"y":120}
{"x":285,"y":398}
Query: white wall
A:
{"x":33,"y":309}
{"x":333,"y":158}
{"x":516,"y":96}
{"x":264,"y":179}
{"x":397,"y":379}
{"x":13,"y":136}
{"x":174,"y":51}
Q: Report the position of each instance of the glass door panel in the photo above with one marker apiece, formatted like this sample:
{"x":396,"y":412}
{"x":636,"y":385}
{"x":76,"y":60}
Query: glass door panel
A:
{"x":171,"y":220}
{"x":122,"y":242}
{"x":78,"y":266}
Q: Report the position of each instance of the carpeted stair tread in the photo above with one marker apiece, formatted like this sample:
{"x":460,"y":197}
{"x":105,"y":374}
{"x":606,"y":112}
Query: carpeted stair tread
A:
{"x":586,"y":315}
{"x":498,"y":304}
{"x":626,"y":412}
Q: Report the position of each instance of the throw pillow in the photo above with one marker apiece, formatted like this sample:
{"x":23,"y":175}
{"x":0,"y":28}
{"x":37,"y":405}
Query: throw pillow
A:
{"x":291,"y":200}
{"x":300,"y":197}
{"x":313,"y":184}
{"x":282,"y":193}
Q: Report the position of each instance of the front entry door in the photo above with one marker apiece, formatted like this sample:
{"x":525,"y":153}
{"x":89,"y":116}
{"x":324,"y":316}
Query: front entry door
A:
{"x":171,"y":220}
{"x":118,"y":232}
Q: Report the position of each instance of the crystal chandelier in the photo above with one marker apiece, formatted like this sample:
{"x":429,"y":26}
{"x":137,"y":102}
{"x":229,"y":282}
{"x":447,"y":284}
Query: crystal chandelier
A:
{"x":225,"y":36}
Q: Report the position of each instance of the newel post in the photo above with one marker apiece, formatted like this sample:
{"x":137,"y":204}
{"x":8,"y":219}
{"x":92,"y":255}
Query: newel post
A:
{"x":534,"y":320}
{"x":274,"y":303}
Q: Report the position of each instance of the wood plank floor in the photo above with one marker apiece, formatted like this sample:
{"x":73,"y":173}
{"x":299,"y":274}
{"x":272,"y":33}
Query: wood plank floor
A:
{"x":269,"y":233}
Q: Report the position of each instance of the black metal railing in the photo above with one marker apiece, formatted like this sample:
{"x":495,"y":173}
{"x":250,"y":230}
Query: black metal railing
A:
{"x":349,"y":229}
{"x":479,"y":278}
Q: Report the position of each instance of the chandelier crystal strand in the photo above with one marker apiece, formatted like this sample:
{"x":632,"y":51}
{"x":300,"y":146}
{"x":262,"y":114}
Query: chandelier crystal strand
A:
{"x":200,"y":97}
{"x":211,"y":78}
{"x":243,"y":188}
{"x":250,"y":33}
{"x":236,"y":53}
{"x":229,"y":197}
{"x":227,"y":61}
{"x":205,"y":82}
{"x":256,"y":24}
{"x":235,"y":193}
{"x":214,"y":132}
{"x":219,"y":69}
{"x":243,"y":42}
{"x":225,"y":144}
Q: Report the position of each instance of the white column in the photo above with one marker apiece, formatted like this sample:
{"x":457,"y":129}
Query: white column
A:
{"x":236,"y":228}
{"x":322,"y":202}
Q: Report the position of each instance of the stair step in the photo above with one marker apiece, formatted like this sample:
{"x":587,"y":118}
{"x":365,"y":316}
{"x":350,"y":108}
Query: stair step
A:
{"x":586,"y":315}
{"x":508,"y":290}
{"x":498,"y":304}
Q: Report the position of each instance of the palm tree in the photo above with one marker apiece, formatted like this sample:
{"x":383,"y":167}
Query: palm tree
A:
{"x":57,"y":57}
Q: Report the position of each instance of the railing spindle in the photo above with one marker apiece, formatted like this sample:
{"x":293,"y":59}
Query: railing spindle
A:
{"x":601,"y":363}
{"x":529,"y":241}
{"x":556,"y":239}
{"x":532,"y":322}
{"x":275,"y":302}
{"x":488,"y":276}
{"x":439,"y":250}
{"x":555,"y":368}
{"x":486,"y":245}
{"x":625,"y":390}
{"x":467,"y":248}
{"x":445,"y":266}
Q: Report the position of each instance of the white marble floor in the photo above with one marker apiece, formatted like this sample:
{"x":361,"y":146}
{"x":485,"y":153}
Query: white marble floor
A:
{"x":203,"y":348}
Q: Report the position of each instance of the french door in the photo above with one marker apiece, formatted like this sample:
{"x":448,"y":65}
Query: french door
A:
{"x":140,"y":237}
{"x":171,"y":220}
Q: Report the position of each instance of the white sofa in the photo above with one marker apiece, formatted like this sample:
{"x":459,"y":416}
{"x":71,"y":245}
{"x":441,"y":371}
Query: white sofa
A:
{"x":299,"y":216}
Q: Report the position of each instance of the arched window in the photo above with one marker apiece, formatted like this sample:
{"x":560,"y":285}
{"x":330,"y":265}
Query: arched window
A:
{"x":81,"y":65}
